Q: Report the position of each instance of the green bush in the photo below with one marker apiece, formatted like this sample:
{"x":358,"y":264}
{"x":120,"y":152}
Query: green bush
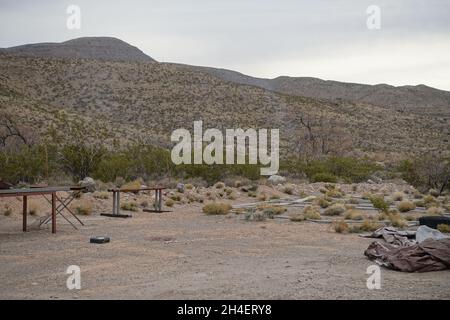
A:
{"x":28,"y":164}
{"x":324,"y":177}
{"x":330,"y":169}
{"x":379,"y":203}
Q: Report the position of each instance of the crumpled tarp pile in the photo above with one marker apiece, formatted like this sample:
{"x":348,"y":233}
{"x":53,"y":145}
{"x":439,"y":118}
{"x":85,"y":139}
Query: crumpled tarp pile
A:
{"x":431,"y":251}
{"x":393,"y":236}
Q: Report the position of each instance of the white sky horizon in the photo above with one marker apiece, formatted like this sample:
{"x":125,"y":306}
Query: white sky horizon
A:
{"x":326,"y":39}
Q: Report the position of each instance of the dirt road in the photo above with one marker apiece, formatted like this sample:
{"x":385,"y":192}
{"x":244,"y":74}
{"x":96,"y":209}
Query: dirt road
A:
{"x":188,"y":255}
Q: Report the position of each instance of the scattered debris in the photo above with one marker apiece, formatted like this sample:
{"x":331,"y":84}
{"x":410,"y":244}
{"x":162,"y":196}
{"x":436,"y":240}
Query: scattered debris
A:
{"x":393,"y":236}
{"x":424,"y":232}
{"x":430,"y":255}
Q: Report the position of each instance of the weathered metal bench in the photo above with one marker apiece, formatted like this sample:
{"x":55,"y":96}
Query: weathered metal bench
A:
{"x":116,"y":201}
{"x":57,"y":209}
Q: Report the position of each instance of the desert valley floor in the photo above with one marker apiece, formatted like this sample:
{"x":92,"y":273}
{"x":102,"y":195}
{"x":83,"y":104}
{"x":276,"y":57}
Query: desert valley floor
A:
{"x":185,"y":254}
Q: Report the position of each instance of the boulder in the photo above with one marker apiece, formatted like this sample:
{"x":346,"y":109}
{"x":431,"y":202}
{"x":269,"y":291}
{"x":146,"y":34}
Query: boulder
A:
{"x":276,"y":179}
{"x":180,"y":187}
{"x":87,"y":183}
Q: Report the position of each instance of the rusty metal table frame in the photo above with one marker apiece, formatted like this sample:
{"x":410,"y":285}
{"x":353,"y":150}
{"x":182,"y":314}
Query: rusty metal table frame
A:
{"x":52,"y":191}
{"x":116,"y":200}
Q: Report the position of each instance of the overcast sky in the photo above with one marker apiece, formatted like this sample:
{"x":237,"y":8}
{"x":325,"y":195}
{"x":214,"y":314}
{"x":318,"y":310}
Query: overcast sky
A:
{"x":328,"y":39}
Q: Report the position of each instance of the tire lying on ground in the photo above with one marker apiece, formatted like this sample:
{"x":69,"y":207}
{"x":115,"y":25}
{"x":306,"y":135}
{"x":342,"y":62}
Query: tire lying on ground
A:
{"x":434,"y":221}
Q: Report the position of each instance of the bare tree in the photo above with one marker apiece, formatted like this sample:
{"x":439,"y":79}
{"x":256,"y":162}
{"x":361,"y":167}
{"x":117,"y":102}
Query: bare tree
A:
{"x":436,"y":170}
{"x":322,"y":137}
{"x":10,"y":130}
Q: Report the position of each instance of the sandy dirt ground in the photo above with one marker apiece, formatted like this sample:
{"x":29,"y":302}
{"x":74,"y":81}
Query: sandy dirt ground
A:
{"x":185,"y":254}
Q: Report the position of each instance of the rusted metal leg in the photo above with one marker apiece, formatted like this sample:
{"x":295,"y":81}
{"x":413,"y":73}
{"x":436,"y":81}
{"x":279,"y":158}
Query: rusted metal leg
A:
{"x":53,"y":213}
{"x":25,"y":212}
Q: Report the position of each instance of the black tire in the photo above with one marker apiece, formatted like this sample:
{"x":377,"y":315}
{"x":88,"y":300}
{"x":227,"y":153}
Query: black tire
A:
{"x":434,"y":221}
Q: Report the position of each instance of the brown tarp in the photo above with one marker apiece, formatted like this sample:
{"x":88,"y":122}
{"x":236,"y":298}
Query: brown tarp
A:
{"x":430,"y":255}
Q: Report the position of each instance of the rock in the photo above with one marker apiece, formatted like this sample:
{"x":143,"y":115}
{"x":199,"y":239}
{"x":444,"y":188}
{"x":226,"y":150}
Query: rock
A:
{"x":276,"y":179}
{"x":180,"y":187}
{"x":87,"y":183}
{"x":249,"y":188}
{"x":376,"y":179}
{"x":434,"y":192}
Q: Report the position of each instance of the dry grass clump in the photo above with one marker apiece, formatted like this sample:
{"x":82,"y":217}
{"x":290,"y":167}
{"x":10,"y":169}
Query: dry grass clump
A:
{"x":189,"y":186}
{"x":83,"y":207}
{"x":369,"y":225}
{"x":216,"y":208}
{"x":435,"y":211}
{"x":334,"y":193}
{"x":219,"y":185}
{"x":366,"y":226}
{"x":275,"y":210}
{"x":334,"y":210}
{"x":257,"y":215}
{"x":132,"y":185}
{"x":353,"y":201}
{"x":443,"y":228}
{"x":429,"y":201}
{"x":175,"y":197}
{"x":419,"y":203}
{"x":312,"y":212}
{"x":232,"y":196}
{"x":405,"y":206}
{"x":33,"y":208}
{"x":101,"y":195}
{"x":297,"y":217}
{"x":341,"y":226}
{"x":398,"y":220}
{"x":322,"y":202}
{"x":288,"y":189}
{"x":398,"y":196}
{"x":262,"y":196}
{"x":169,"y":203}
{"x":194,"y":197}
{"x":354,"y":214}
{"x":394,"y":217}
{"x":129,"y":206}
{"x":7,"y":211}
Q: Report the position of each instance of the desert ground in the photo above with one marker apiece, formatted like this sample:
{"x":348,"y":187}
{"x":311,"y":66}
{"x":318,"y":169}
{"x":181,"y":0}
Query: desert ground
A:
{"x":186,"y":254}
